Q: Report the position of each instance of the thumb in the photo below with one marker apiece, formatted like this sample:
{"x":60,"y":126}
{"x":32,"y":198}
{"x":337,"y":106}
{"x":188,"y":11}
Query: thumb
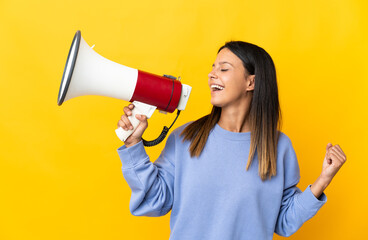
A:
{"x":327,"y":160}
{"x":142,"y":119}
{"x":329,"y":145}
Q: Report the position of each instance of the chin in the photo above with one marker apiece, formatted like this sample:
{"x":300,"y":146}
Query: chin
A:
{"x":217,"y":103}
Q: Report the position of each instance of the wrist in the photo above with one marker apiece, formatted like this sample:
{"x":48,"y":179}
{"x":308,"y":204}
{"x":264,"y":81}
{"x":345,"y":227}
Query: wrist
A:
{"x":319,"y":186}
{"x":130,"y":144}
{"x":323,"y":182}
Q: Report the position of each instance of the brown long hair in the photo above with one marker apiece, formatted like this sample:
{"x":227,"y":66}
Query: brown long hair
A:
{"x":264,"y":114}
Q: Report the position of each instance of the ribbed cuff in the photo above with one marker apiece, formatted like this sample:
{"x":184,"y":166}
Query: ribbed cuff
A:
{"x":133,"y":155}
{"x":309,"y":202}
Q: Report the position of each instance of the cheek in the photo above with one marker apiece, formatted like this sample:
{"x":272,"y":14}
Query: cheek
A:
{"x":234,"y":92}
{"x":236,"y":84}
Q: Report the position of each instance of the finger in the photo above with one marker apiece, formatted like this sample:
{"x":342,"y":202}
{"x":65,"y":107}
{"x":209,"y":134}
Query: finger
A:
{"x":131,"y":106}
{"x":329,"y":145}
{"x":122,"y":124}
{"x":333,"y":149}
{"x":127,"y":122}
{"x":336,"y":159}
{"x":339,"y":149}
{"x":343,"y":156}
{"x":127,"y":111}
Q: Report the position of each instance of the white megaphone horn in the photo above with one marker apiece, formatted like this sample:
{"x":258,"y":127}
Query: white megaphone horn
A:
{"x":88,"y":73}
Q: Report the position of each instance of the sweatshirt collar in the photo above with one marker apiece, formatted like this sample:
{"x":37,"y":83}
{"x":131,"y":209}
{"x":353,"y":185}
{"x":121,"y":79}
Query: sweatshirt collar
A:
{"x":239,"y":136}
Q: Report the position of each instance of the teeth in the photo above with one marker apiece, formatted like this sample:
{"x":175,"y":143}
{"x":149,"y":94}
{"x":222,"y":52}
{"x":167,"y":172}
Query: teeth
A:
{"x":214,"y":86}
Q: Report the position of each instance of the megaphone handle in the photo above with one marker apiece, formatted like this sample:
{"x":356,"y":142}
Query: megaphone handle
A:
{"x":139,"y":108}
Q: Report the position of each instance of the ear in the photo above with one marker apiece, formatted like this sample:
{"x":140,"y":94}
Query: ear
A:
{"x":250,"y":82}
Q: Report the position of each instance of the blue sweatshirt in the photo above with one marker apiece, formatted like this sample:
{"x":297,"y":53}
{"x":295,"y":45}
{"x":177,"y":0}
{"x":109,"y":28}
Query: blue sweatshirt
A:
{"x":214,"y":196}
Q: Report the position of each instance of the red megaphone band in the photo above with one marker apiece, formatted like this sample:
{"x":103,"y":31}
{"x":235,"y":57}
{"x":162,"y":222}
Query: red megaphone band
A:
{"x":162,"y":92}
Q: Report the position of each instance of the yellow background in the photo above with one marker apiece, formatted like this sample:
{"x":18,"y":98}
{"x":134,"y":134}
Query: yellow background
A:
{"x":60,"y":175}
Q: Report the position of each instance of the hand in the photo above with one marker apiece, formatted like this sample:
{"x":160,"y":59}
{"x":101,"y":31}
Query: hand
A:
{"x":334,"y":159}
{"x":125,"y":123}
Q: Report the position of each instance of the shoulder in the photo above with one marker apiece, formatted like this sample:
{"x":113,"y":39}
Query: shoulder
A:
{"x":175,"y":135}
{"x":284,"y":141}
{"x":174,"y":141}
{"x":177,"y":132}
{"x":285,"y":148}
{"x":288,"y":161}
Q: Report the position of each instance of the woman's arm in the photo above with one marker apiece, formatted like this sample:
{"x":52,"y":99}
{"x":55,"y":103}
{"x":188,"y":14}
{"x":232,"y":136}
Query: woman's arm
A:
{"x":152,"y":184}
{"x":296,"y":206}
{"x":334,"y":159}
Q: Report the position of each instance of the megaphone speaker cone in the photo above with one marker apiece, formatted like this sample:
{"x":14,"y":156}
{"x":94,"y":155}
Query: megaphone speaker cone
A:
{"x":69,"y":67}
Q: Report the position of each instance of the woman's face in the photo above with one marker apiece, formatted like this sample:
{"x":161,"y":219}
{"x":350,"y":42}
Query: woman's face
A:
{"x":229,"y":81}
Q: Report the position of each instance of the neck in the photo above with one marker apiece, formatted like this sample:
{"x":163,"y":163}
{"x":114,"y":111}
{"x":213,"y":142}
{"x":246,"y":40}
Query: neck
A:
{"x":235,"y":118}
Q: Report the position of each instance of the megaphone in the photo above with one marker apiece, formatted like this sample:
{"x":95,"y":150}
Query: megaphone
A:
{"x":88,"y":73}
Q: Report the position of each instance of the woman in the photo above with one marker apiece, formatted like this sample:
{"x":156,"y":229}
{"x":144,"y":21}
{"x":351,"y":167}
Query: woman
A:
{"x":231,"y":174}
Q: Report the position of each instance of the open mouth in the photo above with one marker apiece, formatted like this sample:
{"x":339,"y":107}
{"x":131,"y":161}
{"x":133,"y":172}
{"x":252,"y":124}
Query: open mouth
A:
{"x":215,"y":87}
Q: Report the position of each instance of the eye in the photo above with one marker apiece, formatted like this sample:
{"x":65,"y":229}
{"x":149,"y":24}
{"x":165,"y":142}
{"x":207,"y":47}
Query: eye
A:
{"x":224,"y":70}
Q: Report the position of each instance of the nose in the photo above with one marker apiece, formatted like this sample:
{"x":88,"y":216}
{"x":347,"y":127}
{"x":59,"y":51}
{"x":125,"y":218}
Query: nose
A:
{"x":212,"y":74}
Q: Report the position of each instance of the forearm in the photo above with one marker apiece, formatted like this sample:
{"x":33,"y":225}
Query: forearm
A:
{"x":296,"y":208}
{"x":319,"y":186}
{"x":151,"y":184}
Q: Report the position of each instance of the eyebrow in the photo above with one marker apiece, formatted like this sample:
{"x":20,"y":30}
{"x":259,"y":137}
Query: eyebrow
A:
{"x":222,"y":63}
